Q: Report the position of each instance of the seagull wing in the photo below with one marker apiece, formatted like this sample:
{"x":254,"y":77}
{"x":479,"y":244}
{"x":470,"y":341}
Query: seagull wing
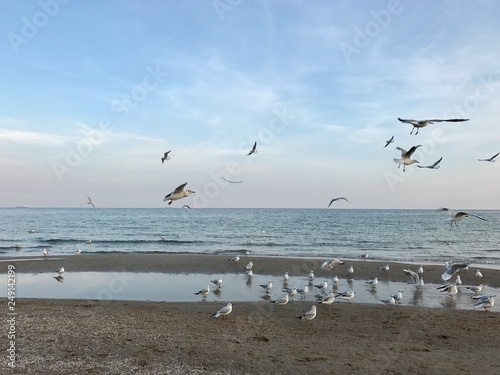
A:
{"x":90,"y":201}
{"x":450,"y":271}
{"x":407,"y":121}
{"x":411,"y":151}
{"x":435,"y":165}
{"x":179,"y":189}
{"x":450,"y":211}
{"x":414,"y":276}
{"x":403,"y":151}
{"x":494,"y":156}
{"x":479,"y":217}
{"x":254,"y":148}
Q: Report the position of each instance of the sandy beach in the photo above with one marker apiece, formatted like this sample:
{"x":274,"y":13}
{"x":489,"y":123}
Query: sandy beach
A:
{"x":120,"y":337}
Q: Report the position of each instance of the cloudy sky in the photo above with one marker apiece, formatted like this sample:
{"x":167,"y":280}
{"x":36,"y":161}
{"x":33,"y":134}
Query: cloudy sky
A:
{"x":94,"y":92}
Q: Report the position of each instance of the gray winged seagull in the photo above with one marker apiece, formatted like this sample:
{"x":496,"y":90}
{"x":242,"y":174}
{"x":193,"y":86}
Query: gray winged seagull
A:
{"x":451,"y":269}
{"x":406,"y":157}
{"x":338,"y":199}
{"x":90,"y":201}
{"x":165,"y":156}
{"x":417,"y":124}
{"x":178,"y":193}
{"x":387,"y":143}
{"x":254,"y":149}
{"x":492,"y":159}
{"x":432,"y":166}
{"x":232,"y":182}
{"x":457,"y":216}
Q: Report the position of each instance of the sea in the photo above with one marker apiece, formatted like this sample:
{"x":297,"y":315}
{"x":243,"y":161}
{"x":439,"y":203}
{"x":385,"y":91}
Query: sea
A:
{"x":392,"y":235}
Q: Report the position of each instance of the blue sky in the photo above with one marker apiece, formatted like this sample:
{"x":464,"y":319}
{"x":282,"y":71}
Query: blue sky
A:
{"x":94,"y":92}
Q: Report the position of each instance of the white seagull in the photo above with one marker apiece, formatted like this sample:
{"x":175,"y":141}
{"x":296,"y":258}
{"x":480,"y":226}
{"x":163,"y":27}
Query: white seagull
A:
{"x":475,"y":289}
{"x":457,"y":216}
{"x":328,"y":299}
{"x":204,"y":292}
{"x":420,"y":270}
{"x":329,"y":265}
{"x":249,"y":265}
{"x":77,"y":251}
{"x":178,"y":193}
{"x":254,"y":149}
{"x":492,"y":159}
{"x":311,"y":276}
{"x":398,"y":296}
{"x":286,"y":278}
{"x":406,"y":157}
{"x":479,"y":275}
{"x":417,"y":124}
{"x":485,"y":303}
{"x":292,"y":292}
{"x":224,"y":311}
{"x":346,"y":295}
{"x":373,"y":282}
{"x":416,"y":279}
{"x":60,"y":270}
{"x":234,"y":259}
{"x":384,"y":268}
{"x":303,"y":292}
{"x":45,"y":252}
{"x":267,"y":287}
{"x":166,"y":156}
{"x":450,"y":289}
{"x":218,"y":282}
{"x":309,"y":315}
{"x":432,"y":166}
{"x":283,"y":300}
{"x":364,"y":256}
{"x":390,"y":301}
{"x":322,"y":286}
{"x":387,"y":143}
{"x":350,"y":271}
{"x":451,"y":269}
{"x":458,"y":280}
{"x":338,"y":199}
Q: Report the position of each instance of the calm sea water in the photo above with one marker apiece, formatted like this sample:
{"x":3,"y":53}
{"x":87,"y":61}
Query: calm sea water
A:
{"x":395,"y":235}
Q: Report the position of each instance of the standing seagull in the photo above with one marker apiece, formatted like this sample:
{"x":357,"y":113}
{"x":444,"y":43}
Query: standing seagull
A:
{"x":417,"y":124}
{"x":90,"y":201}
{"x":224,"y":311}
{"x":254,"y":149}
{"x":166,"y":156}
{"x":433,"y":166}
{"x":387,"y":143}
{"x":309,"y":315}
{"x":492,"y":159}
{"x":337,"y":199}
{"x":406,"y":157}
{"x":457,"y":216}
{"x":178,"y":193}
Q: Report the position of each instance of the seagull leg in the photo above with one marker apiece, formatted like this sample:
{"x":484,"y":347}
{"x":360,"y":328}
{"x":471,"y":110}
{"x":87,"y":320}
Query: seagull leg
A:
{"x":416,"y":132}
{"x":412,"y":130}
{"x":169,"y":203}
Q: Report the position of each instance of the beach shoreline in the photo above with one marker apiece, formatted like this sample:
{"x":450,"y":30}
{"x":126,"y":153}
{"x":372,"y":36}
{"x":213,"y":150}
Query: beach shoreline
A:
{"x":220,"y":264}
{"x":62,"y":336}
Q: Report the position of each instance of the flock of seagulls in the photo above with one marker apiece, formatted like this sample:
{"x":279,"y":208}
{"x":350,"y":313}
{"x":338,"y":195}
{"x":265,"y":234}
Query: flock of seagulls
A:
{"x":327,"y":296}
{"x":418,"y":124}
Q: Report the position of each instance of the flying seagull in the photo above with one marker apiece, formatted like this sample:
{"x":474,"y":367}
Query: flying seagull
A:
{"x":406,"y":157}
{"x":337,"y":199}
{"x":417,"y":124}
{"x":433,"y":166}
{"x":492,"y":159}
{"x":451,"y":269}
{"x":232,"y":182}
{"x":90,"y":201}
{"x":457,"y":216}
{"x":166,"y":156}
{"x":387,"y":143}
{"x":254,"y":149}
{"x":178,"y":193}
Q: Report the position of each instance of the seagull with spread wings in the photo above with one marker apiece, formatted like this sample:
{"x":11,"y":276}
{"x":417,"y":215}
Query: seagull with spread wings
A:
{"x":406,"y":157}
{"x":387,"y":143}
{"x":166,"y":156}
{"x":254,"y":149}
{"x":457,"y":216}
{"x":432,"y":166}
{"x":337,"y":199}
{"x":90,"y":201}
{"x":492,"y":159}
{"x":417,"y":124}
{"x":178,"y":193}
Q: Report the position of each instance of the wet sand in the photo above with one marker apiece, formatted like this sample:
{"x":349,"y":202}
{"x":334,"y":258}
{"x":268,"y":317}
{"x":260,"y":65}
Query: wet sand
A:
{"x":102,"y":337}
{"x":218,"y":264}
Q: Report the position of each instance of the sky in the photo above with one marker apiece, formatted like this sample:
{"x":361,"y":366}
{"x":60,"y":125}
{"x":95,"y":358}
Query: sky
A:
{"x":93,"y":93}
